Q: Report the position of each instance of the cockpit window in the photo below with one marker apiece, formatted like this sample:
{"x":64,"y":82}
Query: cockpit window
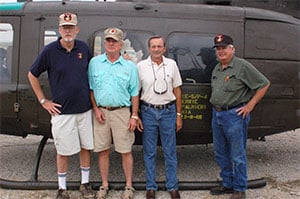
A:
{"x":50,"y":36}
{"x":6,"y":43}
{"x":194,"y":56}
{"x":135,"y":44}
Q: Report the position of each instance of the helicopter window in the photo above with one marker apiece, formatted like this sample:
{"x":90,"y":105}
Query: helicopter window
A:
{"x":276,"y":46}
{"x":135,"y":44}
{"x":50,"y":36}
{"x":6,"y":42}
{"x":194,"y":56}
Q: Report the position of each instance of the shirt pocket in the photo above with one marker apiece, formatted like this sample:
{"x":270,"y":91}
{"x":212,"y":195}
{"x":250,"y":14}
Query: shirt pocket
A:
{"x":122,"y":81}
{"x":213,"y":81}
{"x":231,"y":83}
{"x":97,"y":80}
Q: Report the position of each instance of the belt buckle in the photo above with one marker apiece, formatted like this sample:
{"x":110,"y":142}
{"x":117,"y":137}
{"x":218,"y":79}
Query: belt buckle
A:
{"x":218,"y":108}
{"x":109,"y":108}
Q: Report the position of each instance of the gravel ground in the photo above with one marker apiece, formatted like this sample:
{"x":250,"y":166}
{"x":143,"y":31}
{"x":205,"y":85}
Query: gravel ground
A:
{"x":277,"y":160}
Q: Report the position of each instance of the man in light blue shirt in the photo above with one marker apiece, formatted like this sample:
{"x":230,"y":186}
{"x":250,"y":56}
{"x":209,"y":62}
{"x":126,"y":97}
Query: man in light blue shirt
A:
{"x":114,"y":86}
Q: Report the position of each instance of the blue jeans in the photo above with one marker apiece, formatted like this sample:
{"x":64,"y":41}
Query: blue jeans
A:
{"x":230,"y":139}
{"x":162,"y":121}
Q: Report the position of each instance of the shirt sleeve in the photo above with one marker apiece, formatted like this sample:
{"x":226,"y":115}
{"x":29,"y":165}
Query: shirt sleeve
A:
{"x":253,"y":78}
{"x":134,"y":81}
{"x":89,"y":73}
{"x":40,"y":64}
{"x":177,"y":77}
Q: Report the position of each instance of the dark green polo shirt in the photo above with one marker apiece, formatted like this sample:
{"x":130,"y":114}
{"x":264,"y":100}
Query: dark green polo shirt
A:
{"x":236,"y":84}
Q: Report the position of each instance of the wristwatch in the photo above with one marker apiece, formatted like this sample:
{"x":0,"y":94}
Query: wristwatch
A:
{"x":179,"y":114}
{"x":135,"y":117}
{"x":42,"y":101}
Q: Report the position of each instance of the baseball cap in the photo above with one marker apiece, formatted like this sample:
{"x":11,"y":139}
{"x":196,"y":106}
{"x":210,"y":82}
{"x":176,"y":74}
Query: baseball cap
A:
{"x":222,"y":40}
{"x":67,"y":19}
{"x":114,"y":33}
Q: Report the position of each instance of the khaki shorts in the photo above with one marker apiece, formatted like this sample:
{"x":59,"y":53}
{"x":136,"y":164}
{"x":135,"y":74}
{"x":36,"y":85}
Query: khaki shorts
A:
{"x":71,"y":132}
{"x":114,"y":129}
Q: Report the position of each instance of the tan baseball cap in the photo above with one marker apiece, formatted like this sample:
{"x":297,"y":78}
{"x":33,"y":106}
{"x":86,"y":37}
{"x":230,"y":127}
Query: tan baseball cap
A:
{"x":114,"y":33}
{"x":67,"y":19}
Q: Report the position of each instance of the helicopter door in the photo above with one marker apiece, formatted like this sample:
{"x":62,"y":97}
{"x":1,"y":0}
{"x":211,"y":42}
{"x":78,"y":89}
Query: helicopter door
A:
{"x":48,"y":33}
{"x":9,"y":59}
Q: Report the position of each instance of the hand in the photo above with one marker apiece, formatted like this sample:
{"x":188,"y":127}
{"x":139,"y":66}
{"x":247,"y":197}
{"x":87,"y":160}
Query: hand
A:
{"x":178,"y":123}
{"x":140,"y":126}
{"x":51,"y":107}
{"x":99,"y":115}
{"x":126,"y":56}
{"x":244,"y":110}
{"x":132,"y":124}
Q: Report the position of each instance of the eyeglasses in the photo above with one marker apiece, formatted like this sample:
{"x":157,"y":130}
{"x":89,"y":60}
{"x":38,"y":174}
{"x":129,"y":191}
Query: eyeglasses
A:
{"x":66,"y":28}
{"x":160,"y":86}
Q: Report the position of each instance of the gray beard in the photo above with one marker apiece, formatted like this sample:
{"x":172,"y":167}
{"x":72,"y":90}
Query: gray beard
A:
{"x":68,"y":39}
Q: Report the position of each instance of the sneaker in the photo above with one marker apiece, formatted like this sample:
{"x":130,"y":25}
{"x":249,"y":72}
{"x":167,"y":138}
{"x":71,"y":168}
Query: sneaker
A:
{"x":220,"y":190}
{"x":102,"y":193}
{"x":128,"y":193}
{"x":87,"y":191}
{"x":238,"y":195}
{"x":62,"y":194}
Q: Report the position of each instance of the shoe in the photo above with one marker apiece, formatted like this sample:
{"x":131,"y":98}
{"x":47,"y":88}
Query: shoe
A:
{"x":62,"y":194}
{"x":238,"y":195}
{"x":128,"y":193}
{"x":87,"y":191}
{"x":220,"y":190}
{"x":150,"y":194}
{"x":102,"y":193}
{"x":174,"y":194}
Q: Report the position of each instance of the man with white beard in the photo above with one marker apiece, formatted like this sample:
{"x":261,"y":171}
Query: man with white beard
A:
{"x":66,"y":62}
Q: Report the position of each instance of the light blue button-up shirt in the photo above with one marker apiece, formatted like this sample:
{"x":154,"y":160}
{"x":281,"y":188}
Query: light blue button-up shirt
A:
{"x":115,"y":83}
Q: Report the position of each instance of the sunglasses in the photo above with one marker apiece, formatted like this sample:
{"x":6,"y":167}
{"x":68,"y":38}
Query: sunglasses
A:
{"x":160,"y":86}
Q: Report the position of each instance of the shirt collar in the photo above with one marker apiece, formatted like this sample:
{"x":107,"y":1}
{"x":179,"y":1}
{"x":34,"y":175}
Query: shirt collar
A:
{"x":59,"y":46}
{"x":149,"y":61}
{"x":120,"y":60}
{"x":229,"y":65}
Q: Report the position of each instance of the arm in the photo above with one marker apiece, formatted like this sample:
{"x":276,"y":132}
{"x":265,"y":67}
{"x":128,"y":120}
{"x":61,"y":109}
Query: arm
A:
{"x":99,"y":115}
{"x":139,"y":125}
{"x":134,"y":117}
{"x":135,"y":105}
{"x":51,"y":107}
{"x":177,"y":93}
{"x":245,"y":110}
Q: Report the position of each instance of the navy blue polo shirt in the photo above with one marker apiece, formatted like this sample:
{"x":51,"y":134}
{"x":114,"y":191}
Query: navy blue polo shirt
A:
{"x":67,"y":74}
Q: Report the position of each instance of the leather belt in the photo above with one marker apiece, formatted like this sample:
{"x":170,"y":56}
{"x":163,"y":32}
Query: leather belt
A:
{"x":158,"y":106}
{"x":109,"y":108}
{"x":227,"y":108}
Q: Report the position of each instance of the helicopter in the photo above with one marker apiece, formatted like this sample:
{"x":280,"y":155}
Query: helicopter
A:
{"x":267,"y":39}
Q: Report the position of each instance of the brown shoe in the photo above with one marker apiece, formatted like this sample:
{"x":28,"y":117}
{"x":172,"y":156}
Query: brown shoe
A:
{"x":238,"y":195}
{"x":150,"y":194}
{"x":174,"y":194}
{"x":62,"y":194}
{"x":220,"y":190}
